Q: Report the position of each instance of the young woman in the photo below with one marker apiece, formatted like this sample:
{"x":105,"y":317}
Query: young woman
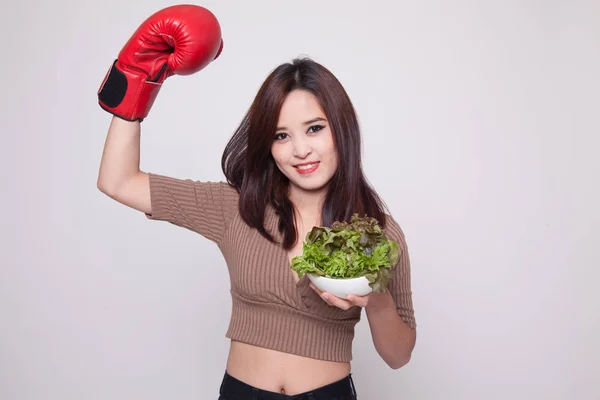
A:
{"x":293,"y":163}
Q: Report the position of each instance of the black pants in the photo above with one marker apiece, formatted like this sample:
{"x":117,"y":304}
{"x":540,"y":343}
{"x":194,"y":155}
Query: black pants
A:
{"x":234,"y":389}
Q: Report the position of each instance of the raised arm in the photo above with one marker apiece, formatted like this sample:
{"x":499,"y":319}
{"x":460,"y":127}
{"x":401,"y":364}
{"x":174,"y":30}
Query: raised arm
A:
{"x":120,"y":176}
{"x":177,"y":40}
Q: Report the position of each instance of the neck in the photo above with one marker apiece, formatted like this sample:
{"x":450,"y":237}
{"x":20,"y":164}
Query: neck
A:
{"x":308,"y":204}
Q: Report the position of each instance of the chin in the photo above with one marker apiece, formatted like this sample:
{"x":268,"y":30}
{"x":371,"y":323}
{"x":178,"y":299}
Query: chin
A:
{"x":311,"y":186}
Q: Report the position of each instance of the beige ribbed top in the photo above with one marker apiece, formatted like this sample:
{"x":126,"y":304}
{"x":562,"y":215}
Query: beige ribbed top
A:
{"x":269,"y":308}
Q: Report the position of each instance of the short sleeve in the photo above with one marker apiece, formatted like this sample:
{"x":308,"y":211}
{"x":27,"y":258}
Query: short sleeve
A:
{"x":203,"y":207}
{"x":400,"y":285}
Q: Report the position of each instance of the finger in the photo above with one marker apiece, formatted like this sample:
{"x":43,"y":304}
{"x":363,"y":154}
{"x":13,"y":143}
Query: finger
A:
{"x":315,"y":289}
{"x":336,"y":301}
{"x":360,"y":301}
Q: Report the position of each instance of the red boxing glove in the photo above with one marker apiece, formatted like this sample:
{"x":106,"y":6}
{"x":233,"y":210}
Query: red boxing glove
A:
{"x":178,"y":40}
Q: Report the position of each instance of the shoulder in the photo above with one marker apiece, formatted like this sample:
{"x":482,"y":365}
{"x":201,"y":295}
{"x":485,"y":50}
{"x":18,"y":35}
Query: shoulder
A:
{"x":218,"y":189}
{"x":171,"y":181}
{"x":182,"y":192}
{"x":227,"y":189}
{"x":394,"y":231}
{"x":221,"y":192}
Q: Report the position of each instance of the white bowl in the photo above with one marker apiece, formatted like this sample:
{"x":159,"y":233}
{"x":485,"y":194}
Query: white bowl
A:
{"x":342,"y":287}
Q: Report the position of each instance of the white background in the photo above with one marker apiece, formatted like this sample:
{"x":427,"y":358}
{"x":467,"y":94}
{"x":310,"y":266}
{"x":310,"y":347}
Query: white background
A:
{"x":481,"y":132}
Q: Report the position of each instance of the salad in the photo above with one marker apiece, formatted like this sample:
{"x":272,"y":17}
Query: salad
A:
{"x":349,"y":250}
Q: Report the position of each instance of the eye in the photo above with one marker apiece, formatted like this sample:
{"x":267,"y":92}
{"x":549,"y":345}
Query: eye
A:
{"x":315,"y":128}
{"x":280,"y":136}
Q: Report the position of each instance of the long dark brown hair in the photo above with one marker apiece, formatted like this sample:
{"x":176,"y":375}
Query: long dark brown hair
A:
{"x":249,"y":166}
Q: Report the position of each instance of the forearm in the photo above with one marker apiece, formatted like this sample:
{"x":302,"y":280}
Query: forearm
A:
{"x":121,"y":154}
{"x":393,"y":339}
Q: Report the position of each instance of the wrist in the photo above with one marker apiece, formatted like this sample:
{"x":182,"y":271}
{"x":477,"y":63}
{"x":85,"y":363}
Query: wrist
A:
{"x":380,"y":302}
{"x":127,"y":93}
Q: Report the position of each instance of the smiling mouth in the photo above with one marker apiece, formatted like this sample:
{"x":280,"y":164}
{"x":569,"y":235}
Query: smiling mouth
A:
{"x":306,"y":167}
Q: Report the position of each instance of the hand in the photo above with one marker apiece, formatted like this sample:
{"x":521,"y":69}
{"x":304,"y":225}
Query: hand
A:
{"x":344,"y":304}
{"x":177,"y":40}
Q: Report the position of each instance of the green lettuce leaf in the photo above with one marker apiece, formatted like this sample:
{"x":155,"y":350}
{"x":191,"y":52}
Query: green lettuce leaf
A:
{"x":349,"y":250}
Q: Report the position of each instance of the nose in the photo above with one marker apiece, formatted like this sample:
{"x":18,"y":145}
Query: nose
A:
{"x":302,"y":148}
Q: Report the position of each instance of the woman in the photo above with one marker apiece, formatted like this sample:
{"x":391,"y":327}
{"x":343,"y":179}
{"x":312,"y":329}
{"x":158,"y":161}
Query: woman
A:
{"x":293,"y":163}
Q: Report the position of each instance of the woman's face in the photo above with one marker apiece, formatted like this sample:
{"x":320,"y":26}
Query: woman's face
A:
{"x":303,"y":149}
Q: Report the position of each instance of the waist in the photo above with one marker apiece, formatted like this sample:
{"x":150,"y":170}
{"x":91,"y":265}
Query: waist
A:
{"x":286,"y":329}
{"x":274,"y":371}
{"x":237,"y":388}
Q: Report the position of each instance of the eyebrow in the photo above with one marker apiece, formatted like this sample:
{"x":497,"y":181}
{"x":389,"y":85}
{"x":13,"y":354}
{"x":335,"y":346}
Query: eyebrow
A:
{"x":312,"y":121}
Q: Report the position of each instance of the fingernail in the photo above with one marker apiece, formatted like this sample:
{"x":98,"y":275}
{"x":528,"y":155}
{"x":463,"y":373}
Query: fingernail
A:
{"x":325,"y":297}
